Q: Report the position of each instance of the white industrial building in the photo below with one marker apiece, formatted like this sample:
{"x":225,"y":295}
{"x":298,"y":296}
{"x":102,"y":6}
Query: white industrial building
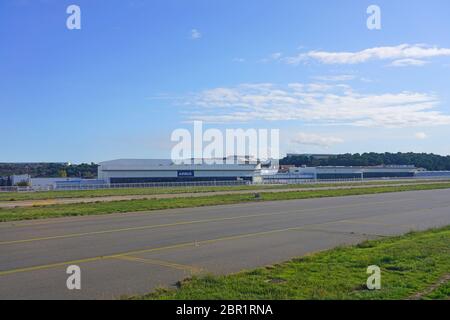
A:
{"x":355,"y":172}
{"x":18,"y":179}
{"x":147,"y":171}
{"x":62,"y":183}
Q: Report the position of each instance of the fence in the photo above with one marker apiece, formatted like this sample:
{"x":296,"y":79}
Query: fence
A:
{"x":266,"y":181}
{"x":16,"y":189}
{"x":323,"y":181}
{"x":73,"y":187}
{"x":349,"y":180}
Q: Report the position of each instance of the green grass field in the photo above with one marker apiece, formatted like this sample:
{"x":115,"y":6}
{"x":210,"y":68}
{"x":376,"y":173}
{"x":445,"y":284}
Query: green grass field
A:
{"x":48,"y":195}
{"x":98,"y":208}
{"x":413,"y":266}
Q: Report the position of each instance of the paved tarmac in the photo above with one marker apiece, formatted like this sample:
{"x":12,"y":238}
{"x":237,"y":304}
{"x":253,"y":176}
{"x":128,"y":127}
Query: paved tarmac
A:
{"x":134,"y":253}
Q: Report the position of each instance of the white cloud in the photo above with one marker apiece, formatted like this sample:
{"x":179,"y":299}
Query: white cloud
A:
{"x":239,"y":60}
{"x":408,"y":62}
{"x":319,"y":104}
{"x":421,"y":135}
{"x":336,"y":78}
{"x":400,"y":52}
{"x":312,"y":139}
{"x":195,"y":34}
{"x":276,"y":56}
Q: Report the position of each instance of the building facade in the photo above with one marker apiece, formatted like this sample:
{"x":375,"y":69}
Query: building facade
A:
{"x":329,"y":173}
{"x":148,"y":171}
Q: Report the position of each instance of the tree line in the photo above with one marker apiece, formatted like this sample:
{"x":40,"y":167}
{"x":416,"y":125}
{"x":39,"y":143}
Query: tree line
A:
{"x":50,"y":170}
{"x":431,"y":162}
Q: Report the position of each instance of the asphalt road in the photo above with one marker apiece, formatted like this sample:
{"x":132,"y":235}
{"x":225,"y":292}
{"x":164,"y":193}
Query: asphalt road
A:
{"x":126,"y":254}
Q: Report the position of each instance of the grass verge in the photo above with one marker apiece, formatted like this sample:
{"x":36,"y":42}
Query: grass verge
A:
{"x":97,"y":208}
{"x":410,"y":265}
{"x":48,"y":195}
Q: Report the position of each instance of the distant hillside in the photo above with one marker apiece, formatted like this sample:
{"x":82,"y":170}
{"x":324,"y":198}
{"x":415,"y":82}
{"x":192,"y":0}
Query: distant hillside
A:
{"x":51,"y":170}
{"x":431,"y":162}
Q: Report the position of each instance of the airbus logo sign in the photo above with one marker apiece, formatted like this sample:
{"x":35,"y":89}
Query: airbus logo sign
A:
{"x":185,"y":173}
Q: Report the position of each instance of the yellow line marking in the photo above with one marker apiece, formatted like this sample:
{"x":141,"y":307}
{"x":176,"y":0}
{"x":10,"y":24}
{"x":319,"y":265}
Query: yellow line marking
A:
{"x":363,"y":221}
{"x":74,"y":235}
{"x":48,"y":266}
{"x":137,"y":252}
{"x":122,"y":215}
{"x":66,"y":219}
{"x":173,"y":265}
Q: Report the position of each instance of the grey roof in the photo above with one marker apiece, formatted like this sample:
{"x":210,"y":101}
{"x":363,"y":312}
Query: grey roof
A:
{"x":137,"y":162}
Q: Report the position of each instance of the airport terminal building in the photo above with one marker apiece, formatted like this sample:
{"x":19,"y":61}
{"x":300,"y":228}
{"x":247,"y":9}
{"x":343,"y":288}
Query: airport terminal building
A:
{"x":148,"y":171}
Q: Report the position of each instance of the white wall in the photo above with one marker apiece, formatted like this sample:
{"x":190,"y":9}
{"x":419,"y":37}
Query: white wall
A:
{"x":49,"y":182}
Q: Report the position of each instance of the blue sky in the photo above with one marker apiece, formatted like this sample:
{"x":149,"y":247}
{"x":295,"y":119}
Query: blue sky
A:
{"x":137,"y":70}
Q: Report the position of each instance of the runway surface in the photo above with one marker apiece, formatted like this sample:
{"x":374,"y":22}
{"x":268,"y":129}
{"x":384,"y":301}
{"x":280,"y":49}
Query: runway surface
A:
{"x":127,"y":254}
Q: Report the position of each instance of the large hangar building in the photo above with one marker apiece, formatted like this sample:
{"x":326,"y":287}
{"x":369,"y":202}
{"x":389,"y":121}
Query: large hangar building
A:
{"x":148,"y":171}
